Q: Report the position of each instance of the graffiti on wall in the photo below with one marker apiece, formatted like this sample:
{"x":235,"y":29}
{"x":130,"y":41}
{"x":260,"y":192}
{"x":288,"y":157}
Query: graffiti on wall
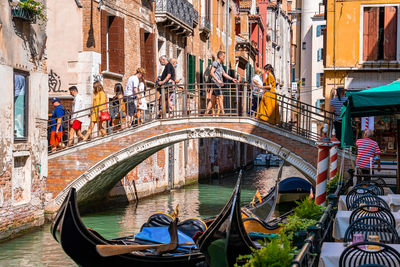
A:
{"x":55,"y":82}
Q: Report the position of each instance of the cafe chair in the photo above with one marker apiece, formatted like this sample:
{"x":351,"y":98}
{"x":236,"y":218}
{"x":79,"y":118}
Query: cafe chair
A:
{"x":372,"y":265}
{"x":372,"y":210}
{"x":370,"y":225}
{"x":359,"y":254}
{"x":369,"y":200}
{"x":373,"y":186}
{"x":356,"y":193}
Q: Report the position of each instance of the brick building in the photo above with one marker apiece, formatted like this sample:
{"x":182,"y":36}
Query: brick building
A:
{"x":23,"y":113}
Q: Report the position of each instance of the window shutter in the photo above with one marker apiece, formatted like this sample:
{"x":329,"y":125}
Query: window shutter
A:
{"x":150,"y":57}
{"x":142,"y":49}
{"x":113,"y":44}
{"x":201,"y":62}
{"x":370,"y":41}
{"x":121,"y":45}
{"x":191,"y":70}
{"x":103,"y":39}
{"x":319,"y":54}
{"x":390,"y":33}
{"x":318,"y":79}
{"x":318,"y":30}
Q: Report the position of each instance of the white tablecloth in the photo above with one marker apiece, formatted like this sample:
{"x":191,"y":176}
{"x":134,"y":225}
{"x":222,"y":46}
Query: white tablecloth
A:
{"x":331,"y":251}
{"x":342,"y":223}
{"x":393,"y":201}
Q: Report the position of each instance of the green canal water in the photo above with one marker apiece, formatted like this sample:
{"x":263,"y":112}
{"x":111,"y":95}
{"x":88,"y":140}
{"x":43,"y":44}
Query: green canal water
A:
{"x":201,"y":200}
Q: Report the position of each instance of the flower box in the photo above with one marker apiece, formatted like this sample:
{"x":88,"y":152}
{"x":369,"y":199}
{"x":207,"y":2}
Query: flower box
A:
{"x":23,"y":14}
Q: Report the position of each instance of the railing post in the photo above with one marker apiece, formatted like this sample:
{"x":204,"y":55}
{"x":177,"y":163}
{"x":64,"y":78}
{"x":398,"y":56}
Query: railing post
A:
{"x":163,"y":115}
{"x":244,"y":102}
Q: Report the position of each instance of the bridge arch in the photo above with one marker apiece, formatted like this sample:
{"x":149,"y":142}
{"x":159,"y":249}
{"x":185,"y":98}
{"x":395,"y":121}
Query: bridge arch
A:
{"x":98,"y":180}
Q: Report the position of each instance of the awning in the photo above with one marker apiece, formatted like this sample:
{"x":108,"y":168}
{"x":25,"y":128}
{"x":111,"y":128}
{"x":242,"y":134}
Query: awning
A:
{"x":382,"y":100}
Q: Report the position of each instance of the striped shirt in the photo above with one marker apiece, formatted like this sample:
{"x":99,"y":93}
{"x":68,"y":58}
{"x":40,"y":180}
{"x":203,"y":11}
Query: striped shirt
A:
{"x":337,"y":105}
{"x":367,"y":148}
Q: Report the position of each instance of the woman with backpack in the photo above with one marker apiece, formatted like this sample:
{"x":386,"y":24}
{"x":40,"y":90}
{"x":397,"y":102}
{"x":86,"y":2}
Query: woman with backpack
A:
{"x":269,"y":109}
{"x":117,"y":107}
{"x":99,"y":109}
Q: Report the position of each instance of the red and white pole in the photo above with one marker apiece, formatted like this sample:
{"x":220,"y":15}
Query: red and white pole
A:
{"x":333,"y":155}
{"x":323,"y":145}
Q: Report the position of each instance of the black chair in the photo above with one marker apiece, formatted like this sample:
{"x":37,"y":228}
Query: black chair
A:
{"x":369,"y":200}
{"x":373,"y":186}
{"x":372,"y":211}
{"x":356,"y":255}
{"x":356,"y":193}
{"x":371,"y":225}
{"x":372,"y":265}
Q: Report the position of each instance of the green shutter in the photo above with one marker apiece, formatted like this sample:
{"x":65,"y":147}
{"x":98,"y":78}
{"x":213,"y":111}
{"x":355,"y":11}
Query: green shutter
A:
{"x":201,"y":62}
{"x":209,"y":62}
{"x":191,"y":71}
{"x":248,"y":78}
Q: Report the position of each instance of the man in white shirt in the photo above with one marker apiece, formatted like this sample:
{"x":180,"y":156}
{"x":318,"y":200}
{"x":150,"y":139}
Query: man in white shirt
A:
{"x":131,"y":93}
{"x":75,"y":122}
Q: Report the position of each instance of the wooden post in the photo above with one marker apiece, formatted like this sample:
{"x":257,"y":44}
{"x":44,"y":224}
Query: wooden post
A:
{"x":398,"y":153}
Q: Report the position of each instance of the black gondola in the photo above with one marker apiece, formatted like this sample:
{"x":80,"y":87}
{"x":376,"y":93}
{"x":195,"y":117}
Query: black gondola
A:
{"x":228,"y":226}
{"x":79,"y":243}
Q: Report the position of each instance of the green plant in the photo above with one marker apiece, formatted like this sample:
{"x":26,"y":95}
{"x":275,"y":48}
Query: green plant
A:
{"x":34,"y":8}
{"x":308,"y":209}
{"x":332,"y":184}
{"x":277,"y":253}
{"x":294,"y":223}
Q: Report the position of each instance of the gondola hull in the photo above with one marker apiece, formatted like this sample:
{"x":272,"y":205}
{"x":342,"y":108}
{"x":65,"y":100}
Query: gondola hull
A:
{"x":79,"y":243}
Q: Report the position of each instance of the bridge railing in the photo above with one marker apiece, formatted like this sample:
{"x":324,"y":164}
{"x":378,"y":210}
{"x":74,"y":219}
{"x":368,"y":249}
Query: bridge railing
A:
{"x":187,"y":101}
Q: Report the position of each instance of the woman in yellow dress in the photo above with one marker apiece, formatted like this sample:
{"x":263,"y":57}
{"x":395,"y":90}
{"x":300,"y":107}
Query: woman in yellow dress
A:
{"x":99,"y":100}
{"x":269,"y":109}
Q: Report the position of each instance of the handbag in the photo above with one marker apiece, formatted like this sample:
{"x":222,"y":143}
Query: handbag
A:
{"x":105,"y":116}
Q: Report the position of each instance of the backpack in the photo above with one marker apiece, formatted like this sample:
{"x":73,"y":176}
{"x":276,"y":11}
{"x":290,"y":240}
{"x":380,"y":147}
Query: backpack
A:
{"x":207,"y":74}
{"x":65,"y":119}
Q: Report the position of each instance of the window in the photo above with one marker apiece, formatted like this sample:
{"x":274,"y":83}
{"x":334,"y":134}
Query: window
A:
{"x":112,"y":43}
{"x":379,"y":33}
{"x":303,"y":46}
{"x":147,"y":54}
{"x":20,"y":105}
{"x":319,"y":54}
{"x":320,"y":79}
{"x":320,"y":103}
{"x":191,"y":70}
{"x":320,"y":30}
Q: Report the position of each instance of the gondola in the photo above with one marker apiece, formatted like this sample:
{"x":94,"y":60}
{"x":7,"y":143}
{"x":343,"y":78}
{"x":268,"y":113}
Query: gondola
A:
{"x":79,"y":243}
{"x":226,"y":237}
{"x":293,"y":188}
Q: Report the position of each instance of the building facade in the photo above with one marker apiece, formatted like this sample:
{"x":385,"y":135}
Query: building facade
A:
{"x":23,"y":113}
{"x":362,"y":44}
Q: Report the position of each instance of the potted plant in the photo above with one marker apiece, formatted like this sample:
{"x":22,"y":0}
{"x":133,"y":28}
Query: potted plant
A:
{"x":276,"y":253}
{"x":295,"y":229}
{"x":29,"y":10}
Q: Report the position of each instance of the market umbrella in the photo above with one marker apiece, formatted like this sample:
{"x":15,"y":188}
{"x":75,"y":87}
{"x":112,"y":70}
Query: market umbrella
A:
{"x":382,"y":100}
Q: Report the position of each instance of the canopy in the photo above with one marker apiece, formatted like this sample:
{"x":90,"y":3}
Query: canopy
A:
{"x":382,"y":100}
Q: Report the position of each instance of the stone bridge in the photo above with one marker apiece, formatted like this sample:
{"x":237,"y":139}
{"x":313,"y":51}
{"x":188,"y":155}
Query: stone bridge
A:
{"x":94,"y":167}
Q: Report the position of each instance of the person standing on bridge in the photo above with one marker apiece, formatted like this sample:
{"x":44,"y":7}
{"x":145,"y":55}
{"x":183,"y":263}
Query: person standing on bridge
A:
{"x":258,"y":90}
{"x":56,"y":125}
{"x":217,"y":74}
{"x":167,"y":78}
{"x":131,"y":94}
{"x":269,"y":108}
{"x":336,"y":106}
{"x":76,"y":123}
{"x":99,"y":105}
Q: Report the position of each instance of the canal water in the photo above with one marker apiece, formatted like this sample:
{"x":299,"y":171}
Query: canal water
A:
{"x":201,"y":200}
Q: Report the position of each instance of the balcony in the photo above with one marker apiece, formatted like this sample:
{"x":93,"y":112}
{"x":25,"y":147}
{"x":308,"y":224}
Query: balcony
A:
{"x":23,"y":14}
{"x":177,"y":14}
{"x":205,"y":26}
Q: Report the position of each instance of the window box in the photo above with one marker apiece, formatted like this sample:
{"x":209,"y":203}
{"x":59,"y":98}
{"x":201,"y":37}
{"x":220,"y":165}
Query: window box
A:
{"x":23,"y":14}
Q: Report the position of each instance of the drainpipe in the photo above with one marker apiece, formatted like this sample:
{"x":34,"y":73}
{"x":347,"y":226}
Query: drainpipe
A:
{"x":227,"y":37}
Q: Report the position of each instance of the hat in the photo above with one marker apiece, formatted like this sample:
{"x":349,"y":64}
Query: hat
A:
{"x":55,"y":99}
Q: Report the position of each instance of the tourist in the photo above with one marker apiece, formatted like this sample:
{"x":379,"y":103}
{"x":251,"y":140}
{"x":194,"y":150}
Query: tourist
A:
{"x":131,"y":95}
{"x":174,"y":63}
{"x":217,"y":73}
{"x":76,"y":121}
{"x":167,"y":78}
{"x":367,"y":150}
{"x":336,"y":106}
{"x":99,"y":107}
{"x":268,"y":110}
{"x":142,"y":107}
{"x":117,"y":107}
{"x":257,"y":91}
{"x":57,"y":131}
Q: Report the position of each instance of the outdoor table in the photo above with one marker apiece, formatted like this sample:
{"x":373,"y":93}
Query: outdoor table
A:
{"x":342,"y":223}
{"x":331,"y":251}
{"x":393,"y":201}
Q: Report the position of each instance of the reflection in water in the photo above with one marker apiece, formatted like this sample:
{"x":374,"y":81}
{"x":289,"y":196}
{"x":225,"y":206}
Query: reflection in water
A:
{"x":201,"y":200}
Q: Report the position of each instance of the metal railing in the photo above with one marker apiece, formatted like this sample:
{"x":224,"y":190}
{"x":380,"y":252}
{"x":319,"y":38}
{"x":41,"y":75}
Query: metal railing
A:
{"x":187,"y":101}
{"x":205,"y":23}
{"x":308,"y":255}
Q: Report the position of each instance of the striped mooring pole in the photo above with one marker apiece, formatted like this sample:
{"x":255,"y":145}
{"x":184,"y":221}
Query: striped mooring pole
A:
{"x":323,"y":145}
{"x":333,"y":155}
